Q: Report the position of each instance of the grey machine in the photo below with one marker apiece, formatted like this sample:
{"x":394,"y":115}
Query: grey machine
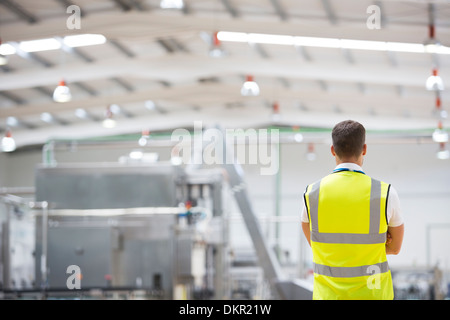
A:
{"x":130,"y":227}
{"x":154,"y":228}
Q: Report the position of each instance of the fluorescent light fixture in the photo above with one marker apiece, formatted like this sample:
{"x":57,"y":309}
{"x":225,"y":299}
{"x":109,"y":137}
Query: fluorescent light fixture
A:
{"x":317,"y":42}
{"x":79,"y":40}
{"x":232,"y":36}
{"x":7,"y":49}
{"x":443,"y":50}
{"x":83,"y":40}
{"x":363,"y":45}
{"x":328,"y":42}
{"x":40,"y":45}
{"x":271,"y":39}
{"x":405,"y":47}
{"x":171,"y":4}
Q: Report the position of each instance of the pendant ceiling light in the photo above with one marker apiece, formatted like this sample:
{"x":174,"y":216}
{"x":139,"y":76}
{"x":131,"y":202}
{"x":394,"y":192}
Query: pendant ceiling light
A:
{"x":431,"y":44}
{"x":250,"y":87}
{"x":216,"y":50}
{"x":8,"y":143}
{"x":434,"y":82}
{"x":439,"y":112}
{"x":440,"y":135}
{"x":62,"y":92}
{"x":443,"y":153}
{"x":145,"y":136}
{"x":3,"y":58}
{"x":276,"y":112}
{"x":311,"y":154}
{"x":298,"y":137}
{"x":108,"y":122}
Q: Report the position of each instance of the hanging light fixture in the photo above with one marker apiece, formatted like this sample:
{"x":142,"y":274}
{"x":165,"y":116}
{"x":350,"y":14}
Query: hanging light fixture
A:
{"x":144,"y":138}
{"x":434,"y":82}
{"x":250,"y":87}
{"x":3,"y":58}
{"x":431,"y":44}
{"x":311,"y":154}
{"x":443,"y":153}
{"x":216,"y":50}
{"x":8,"y":142}
{"x":440,"y":135}
{"x":108,"y":122}
{"x":439,"y":112}
{"x":298,"y":137}
{"x":276,"y":111}
{"x":62,"y":92}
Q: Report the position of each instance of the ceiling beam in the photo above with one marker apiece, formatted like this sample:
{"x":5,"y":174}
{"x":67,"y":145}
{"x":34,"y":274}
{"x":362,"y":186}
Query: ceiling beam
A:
{"x":329,"y":12}
{"x":31,"y":56}
{"x":210,"y":94}
{"x":133,"y":25}
{"x":122,"y":83}
{"x":12,"y":97}
{"x":123,"y":4}
{"x":230,"y":8}
{"x":123,"y":49}
{"x":19,"y":10}
{"x":281,"y":12}
{"x":179,"y":68}
{"x":249,"y":117}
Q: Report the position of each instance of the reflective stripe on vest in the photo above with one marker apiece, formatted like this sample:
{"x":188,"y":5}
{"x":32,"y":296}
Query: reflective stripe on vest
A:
{"x":354,"y":238}
{"x":350,"y":272}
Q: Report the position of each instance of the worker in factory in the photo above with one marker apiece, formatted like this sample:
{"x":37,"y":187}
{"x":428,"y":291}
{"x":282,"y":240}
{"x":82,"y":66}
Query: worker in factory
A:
{"x":351,"y":221}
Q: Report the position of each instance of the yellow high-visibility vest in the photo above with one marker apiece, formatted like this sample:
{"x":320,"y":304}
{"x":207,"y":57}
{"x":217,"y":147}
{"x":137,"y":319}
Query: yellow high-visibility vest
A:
{"x":348,"y":224}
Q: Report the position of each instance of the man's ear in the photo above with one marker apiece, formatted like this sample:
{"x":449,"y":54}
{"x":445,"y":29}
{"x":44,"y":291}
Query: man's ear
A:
{"x":332,"y":151}
{"x":364,"y":149}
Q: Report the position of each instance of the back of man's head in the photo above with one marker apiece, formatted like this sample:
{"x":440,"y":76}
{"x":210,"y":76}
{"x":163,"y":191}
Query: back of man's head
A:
{"x":348,"y":138}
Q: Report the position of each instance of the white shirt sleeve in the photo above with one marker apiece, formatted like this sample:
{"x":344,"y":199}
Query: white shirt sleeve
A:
{"x":304,"y":216}
{"x":394,"y":215}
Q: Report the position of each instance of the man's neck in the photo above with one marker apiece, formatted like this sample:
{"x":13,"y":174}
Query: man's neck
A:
{"x":359,"y":161}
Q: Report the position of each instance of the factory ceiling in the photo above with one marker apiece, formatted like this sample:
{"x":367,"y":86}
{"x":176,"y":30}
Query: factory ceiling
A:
{"x":153,"y":70}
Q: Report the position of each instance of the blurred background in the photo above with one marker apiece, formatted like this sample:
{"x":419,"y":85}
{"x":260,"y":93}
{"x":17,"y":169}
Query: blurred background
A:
{"x":160,"y":149}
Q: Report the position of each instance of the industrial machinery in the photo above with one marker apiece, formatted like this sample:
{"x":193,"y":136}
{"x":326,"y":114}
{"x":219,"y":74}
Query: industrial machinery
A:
{"x":154,"y":230}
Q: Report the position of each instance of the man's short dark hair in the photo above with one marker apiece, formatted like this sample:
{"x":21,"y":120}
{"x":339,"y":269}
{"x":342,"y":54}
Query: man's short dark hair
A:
{"x":348,"y":138}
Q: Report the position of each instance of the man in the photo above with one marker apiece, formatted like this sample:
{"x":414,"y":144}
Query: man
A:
{"x":351,"y":222}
